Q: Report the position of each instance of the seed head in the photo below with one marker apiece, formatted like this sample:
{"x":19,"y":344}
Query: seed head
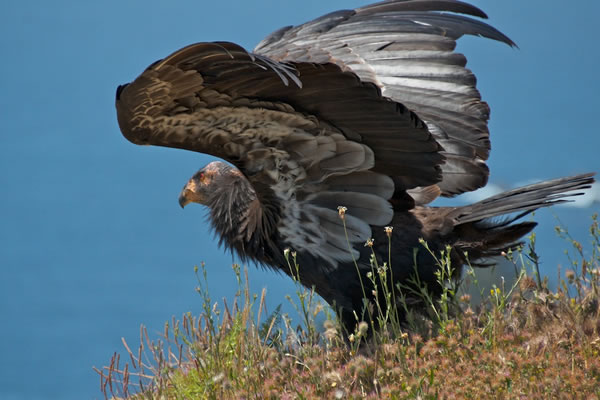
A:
{"x":330,"y":334}
{"x":388,"y":231}
{"x":363,"y":327}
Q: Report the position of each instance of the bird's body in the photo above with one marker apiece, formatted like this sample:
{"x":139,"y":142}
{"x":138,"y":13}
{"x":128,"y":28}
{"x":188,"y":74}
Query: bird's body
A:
{"x":369,"y":109}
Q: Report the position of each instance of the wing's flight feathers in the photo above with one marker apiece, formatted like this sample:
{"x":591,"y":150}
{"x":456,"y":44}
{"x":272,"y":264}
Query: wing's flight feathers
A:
{"x":406,"y":47}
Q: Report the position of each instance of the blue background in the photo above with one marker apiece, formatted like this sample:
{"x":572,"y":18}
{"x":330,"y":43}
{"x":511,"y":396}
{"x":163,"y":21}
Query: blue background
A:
{"x":93,"y":242}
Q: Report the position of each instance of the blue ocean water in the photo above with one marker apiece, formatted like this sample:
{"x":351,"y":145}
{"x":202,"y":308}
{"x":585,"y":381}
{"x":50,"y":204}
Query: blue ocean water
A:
{"x":92,"y":240}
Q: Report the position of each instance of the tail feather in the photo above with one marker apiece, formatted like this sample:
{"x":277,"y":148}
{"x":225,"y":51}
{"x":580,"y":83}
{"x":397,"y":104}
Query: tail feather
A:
{"x":482,"y":240}
{"x":524,"y":199}
{"x":482,"y":236}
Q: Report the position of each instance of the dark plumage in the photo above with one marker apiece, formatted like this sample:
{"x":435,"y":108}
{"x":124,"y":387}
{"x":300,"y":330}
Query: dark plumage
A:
{"x":369,"y":109}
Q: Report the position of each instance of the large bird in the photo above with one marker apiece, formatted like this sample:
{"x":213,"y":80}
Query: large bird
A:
{"x":370,"y":109}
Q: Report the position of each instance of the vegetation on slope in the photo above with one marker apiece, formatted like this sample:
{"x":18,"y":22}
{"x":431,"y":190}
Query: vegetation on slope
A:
{"x":522,"y":341}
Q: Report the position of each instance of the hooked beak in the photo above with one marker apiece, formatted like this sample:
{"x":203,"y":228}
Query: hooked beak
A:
{"x":183,"y":201}
{"x":191,"y":193}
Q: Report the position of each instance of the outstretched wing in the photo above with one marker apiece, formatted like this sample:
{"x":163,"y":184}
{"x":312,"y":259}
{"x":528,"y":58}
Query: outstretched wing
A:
{"x":405,"y":47}
{"x":308,"y":137}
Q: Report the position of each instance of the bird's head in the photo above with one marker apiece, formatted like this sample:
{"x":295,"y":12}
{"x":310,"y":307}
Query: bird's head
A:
{"x":206,"y":182}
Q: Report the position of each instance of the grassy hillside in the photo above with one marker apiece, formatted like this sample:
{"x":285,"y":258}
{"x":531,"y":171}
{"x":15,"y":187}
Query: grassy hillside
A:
{"x":521,"y":341}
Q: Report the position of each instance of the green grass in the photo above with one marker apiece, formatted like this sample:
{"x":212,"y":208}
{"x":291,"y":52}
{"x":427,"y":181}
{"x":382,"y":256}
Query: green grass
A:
{"x":522,"y":341}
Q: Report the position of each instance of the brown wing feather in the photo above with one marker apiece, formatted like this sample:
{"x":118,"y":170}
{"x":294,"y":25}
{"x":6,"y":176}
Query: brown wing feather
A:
{"x":211,"y":74}
{"x":293,"y":129}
